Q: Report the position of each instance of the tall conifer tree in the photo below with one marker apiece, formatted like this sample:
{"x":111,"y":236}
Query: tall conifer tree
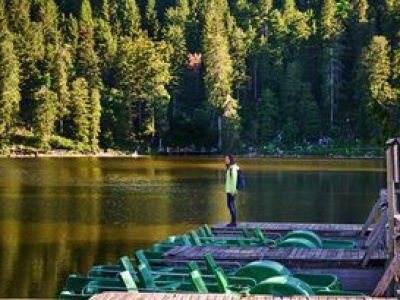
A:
{"x":380,"y":94}
{"x":151,"y":19}
{"x":129,"y":16}
{"x":86,"y":58}
{"x":9,"y":83}
{"x":45,"y":115}
{"x":80,"y":111}
{"x":218,"y":66}
{"x":94,"y":119}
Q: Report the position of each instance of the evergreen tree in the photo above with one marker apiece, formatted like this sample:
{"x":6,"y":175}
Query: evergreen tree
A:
{"x":390,"y":18}
{"x":9,"y":84}
{"x":46,"y":12}
{"x":142,"y":76}
{"x":217,"y":59}
{"x":45,"y":115}
{"x":218,"y":68}
{"x":396,"y":65}
{"x":129,"y":16}
{"x":329,"y":26}
{"x":105,"y":42}
{"x":3,"y":18}
{"x":70,"y":33}
{"x":359,"y":33}
{"x":396,"y":77}
{"x":151,"y":20}
{"x":80,"y":111}
{"x":308,"y":116}
{"x":87,"y":60}
{"x":297,"y":24}
{"x":18,"y":15}
{"x":291,"y":95}
{"x":60,"y":72}
{"x":267,"y":117}
{"x":331,"y":51}
{"x":379,"y":93}
{"x":195,"y":23}
{"x":30,"y":48}
{"x":94,"y":119}
{"x":175,"y":35}
{"x":239,"y":48}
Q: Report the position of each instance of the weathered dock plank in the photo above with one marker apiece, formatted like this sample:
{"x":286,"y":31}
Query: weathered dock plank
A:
{"x":324,"y":230}
{"x":175,"y":296}
{"x":350,"y":257}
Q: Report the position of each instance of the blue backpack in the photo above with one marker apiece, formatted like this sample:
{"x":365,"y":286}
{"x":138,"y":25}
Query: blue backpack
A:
{"x":241,"y":182}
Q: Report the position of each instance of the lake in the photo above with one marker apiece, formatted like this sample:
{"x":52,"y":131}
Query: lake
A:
{"x":63,"y":215}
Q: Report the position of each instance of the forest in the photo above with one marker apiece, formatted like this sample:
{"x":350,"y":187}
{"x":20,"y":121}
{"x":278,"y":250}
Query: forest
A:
{"x":201,"y":75}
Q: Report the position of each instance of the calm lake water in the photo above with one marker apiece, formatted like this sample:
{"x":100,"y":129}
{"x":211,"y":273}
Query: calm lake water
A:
{"x":63,"y":215}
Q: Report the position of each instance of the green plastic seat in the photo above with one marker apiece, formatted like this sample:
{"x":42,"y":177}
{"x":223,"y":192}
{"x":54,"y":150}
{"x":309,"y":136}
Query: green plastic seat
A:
{"x":98,"y":286}
{"x":262,"y":239}
{"x":338,"y":244}
{"x":70,"y":296}
{"x":75,"y":283}
{"x":282,"y":286}
{"x":197,"y":279}
{"x":168,"y":244}
{"x":208,"y":230}
{"x":246,"y":233}
{"x":262,"y":270}
{"x":224,"y":286}
{"x":202,"y":233}
{"x":147,"y":281}
{"x":103,"y":271}
{"x":228,"y":283}
{"x":129,"y":282}
{"x":211,"y":265}
{"x":320,"y":243}
{"x":227,"y":241}
{"x":84,"y":287}
{"x":141,"y":258}
{"x":126,"y":263}
{"x":317,"y":282}
{"x":212,"y":241}
{"x":305,"y":234}
{"x":296,"y":243}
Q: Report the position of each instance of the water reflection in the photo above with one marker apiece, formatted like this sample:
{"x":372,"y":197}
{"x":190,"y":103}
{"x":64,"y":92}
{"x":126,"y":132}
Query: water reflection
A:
{"x":59,"y":216}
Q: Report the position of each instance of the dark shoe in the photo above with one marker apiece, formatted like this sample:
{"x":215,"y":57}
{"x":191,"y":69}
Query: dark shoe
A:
{"x":231,"y":225}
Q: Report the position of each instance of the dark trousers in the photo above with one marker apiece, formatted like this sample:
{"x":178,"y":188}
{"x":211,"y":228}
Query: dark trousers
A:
{"x":230,"y":201}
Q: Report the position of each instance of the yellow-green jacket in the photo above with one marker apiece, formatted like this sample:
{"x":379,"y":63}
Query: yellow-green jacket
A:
{"x":231,"y":179}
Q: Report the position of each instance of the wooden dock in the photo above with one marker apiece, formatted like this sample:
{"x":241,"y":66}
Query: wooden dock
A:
{"x":345,"y":263}
{"x":180,"y":296}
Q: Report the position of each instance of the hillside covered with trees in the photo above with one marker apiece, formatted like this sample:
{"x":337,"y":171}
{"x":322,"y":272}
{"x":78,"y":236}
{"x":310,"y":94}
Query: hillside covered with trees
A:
{"x":205,"y":74}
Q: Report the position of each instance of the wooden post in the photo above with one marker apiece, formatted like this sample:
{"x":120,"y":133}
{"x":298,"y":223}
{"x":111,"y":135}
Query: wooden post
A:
{"x":392,"y":177}
{"x":379,"y":204}
{"x":392,"y":271}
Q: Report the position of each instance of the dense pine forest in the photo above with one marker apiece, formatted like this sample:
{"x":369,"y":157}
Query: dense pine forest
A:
{"x":221,"y":75}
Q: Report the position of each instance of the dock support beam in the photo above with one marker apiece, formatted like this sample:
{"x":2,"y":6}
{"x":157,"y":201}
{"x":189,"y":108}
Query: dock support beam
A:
{"x":392,"y":177}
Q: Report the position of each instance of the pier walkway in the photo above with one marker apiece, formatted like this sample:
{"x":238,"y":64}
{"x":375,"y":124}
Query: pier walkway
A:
{"x":323,"y":230}
{"x":180,"y":296}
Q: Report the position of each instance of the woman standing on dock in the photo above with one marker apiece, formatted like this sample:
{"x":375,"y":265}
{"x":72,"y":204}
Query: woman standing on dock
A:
{"x":230,"y":187}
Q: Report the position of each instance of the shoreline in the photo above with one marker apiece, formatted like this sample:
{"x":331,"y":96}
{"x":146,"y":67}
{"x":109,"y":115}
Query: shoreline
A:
{"x":62,"y":154}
